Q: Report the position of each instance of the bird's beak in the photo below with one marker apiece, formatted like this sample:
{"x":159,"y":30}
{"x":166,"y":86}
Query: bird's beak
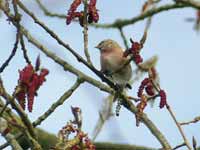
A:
{"x":97,"y":46}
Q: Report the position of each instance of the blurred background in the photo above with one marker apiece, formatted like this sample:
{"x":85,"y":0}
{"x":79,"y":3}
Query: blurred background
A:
{"x":170,"y":37}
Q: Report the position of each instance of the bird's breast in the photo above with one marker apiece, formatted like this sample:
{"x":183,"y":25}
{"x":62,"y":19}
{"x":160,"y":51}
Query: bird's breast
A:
{"x":110,"y":61}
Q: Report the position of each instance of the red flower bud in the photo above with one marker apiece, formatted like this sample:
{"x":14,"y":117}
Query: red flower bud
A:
{"x":163,"y":99}
{"x":135,"y":47}
{"x":150,"y":90}
{"x":92,"y":11}
{"x":142,"y":86}
{"x":28,"y":84}
{"x":71,"y":11}
{"x":137,"y":58}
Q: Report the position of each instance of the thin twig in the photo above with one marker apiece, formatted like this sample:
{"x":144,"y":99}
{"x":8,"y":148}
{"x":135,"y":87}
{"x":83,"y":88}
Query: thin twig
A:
{"x":18,"y":18}
{"x":13,"y":52}
{"x":123,"y":37}
{"x":85,"y":33}
{"x":150,"y":98}
{"x":24,"y":50}
{"x":157,"y":87}
{"x":179,"y":127}
{"x":195,"y":120}
{"x":148,"y":24}
{"x":125,"y":22}
{"x":48,"y":13}
{"x":178,"y":146}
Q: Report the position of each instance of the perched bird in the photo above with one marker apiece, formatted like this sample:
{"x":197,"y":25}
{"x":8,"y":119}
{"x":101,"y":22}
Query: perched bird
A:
{"x":112,"y":63}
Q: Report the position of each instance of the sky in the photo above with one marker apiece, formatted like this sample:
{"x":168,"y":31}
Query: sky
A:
{"x":170,"y":37}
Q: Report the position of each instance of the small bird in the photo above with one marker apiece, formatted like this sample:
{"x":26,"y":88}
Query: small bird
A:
{"x":112,"y":63}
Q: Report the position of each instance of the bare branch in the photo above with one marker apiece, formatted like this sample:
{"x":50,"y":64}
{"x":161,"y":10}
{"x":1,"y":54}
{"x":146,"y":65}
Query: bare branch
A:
{"x":179,"y":127}
{"x":85,"y":33}
{"x":124,"y":38}
{"x":195,"y":120}
{"x":125,"y":22}
{"x":24,"y":50}
{"x":48,"y":13}
{"x":6,"y":63}
{"x":178,"y":146}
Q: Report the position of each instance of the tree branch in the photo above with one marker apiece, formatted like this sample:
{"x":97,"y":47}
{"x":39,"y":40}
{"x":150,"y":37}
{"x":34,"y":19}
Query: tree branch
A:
{"x":48,"y":13}
{"x":195,"y":120}
{"x":85,"y":33}
{"x":179,"y":128}
{"x":125,"y":22}
{"x":123,"y":37}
